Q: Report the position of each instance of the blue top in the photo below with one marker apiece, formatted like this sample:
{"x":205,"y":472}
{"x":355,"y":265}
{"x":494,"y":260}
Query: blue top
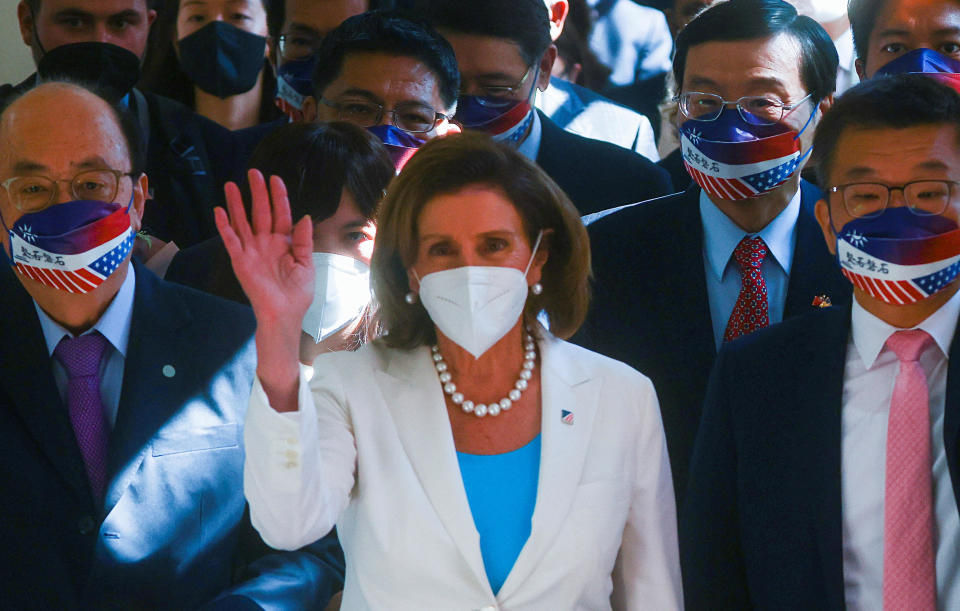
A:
{"x":502,"y":492}
{"x":720,"y":238}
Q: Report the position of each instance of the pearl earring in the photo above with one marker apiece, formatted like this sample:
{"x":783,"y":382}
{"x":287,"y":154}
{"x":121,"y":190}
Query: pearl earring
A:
{"x":410,"y":298}
{"x":536,"y":289}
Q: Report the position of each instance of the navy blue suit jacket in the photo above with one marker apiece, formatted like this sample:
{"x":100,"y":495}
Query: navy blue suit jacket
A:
{"x":761,"y":527}
{"x":597,"y":175}
{"x":650,"y":307}
{"x":172,"y":527}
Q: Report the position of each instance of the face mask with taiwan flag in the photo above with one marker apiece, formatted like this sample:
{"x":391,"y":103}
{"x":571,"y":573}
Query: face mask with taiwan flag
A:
{"x":900,"y":257}
{"x":927,"y":62}
{"x":400,"y":144}
{"x":73,"y":246}
{"x":731,"y":159}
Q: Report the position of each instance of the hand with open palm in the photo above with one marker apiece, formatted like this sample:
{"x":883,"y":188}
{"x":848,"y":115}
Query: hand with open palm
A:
{"x":272,"y":260}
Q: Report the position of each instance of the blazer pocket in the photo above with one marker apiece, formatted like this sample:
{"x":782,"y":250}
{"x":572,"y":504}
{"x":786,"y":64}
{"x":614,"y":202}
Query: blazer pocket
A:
{"x":196,"y":439}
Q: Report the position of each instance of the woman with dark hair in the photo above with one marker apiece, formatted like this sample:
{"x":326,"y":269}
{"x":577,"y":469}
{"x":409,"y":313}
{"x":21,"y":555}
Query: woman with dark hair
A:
{"x":214,"y":56}
{"x":469,"y":457}
{"x":336,"y":174}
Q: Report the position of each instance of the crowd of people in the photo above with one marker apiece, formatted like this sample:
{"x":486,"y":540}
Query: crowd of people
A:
{"x":320,"y":304}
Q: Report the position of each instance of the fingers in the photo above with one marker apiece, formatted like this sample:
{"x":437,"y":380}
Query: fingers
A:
{"x":301,"y":244}
{"x":260,"y":206}
{"x":229,"y":236}
{"x":282,"y":221}
{"x":238,"y":216}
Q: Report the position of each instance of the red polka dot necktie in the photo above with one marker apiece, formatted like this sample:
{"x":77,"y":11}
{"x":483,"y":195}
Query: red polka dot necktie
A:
{"x":81,"y":358}
{"x":751,"y":311}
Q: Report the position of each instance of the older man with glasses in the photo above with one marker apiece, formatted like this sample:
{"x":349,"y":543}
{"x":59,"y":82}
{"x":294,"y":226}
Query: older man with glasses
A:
{"x":740,"y":249}
{"x":826,"y":467}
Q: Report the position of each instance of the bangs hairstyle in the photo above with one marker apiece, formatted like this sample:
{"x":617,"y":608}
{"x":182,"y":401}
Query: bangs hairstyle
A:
{"x":447,"y":165}
{"x":899,"y":101}
{"x":756,"y":19}
{"x":317,"y":161}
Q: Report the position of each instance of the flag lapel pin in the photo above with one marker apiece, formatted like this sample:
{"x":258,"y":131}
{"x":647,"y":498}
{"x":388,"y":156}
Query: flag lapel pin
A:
{"x":566,"y":416}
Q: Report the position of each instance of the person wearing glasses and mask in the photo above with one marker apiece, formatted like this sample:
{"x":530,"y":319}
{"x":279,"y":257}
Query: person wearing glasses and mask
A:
{"x":122,"y":396}
{"x":305,"y":23}
{"x":469,"y":458}
{"x":825,"y":472}
{"x":505,"y":54}
{"x":390,"y":74}
{"x":740,"y":249}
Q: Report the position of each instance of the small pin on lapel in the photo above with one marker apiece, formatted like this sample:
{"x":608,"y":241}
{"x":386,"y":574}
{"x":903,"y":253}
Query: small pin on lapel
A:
{"x":821,"y":301}
{"x":168,"y":371}
{"x":566,"y":416}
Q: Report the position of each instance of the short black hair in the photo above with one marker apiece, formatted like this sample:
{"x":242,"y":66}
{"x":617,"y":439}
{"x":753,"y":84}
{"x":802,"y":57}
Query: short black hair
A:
{"x":898,"y":101}
{"x":753,"y":19}
{"x":863,"y":18}
{"x":525,"y":23}
{"x":129,"y":126}
{"x":317,"y":161}
{"x":393,"y":33}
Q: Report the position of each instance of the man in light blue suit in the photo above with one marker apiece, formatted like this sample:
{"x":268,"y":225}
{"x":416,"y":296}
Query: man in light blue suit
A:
{"x":121,"y":396}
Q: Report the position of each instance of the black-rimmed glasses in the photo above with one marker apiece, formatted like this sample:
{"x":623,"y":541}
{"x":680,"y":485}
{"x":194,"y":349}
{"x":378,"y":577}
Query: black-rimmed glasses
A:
{"x":922,"y":197}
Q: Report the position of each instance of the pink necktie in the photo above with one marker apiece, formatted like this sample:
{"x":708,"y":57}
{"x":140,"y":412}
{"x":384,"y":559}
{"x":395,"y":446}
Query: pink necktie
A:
{"x":909,"y":569}
{"x":81,"y":358}
{"x":751,"y":311}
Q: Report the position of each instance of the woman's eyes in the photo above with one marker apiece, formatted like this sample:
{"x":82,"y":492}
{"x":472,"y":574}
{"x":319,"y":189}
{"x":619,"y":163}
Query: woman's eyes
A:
{"x":495,"y":244}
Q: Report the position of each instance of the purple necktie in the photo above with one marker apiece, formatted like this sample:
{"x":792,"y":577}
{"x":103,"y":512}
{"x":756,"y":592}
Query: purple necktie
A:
{"x":81,"y":358}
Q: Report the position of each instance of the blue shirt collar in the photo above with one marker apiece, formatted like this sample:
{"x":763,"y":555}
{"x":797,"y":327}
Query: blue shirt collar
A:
{"x":113,"y":325}
{"x":721,"y":235}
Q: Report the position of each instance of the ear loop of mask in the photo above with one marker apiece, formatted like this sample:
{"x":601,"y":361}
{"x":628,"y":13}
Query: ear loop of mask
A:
{"x":802,"y":129}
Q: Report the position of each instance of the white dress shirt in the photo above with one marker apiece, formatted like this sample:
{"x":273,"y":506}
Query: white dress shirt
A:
{"x":847,"y":70}
{"x":720,"y":238}
{"x":114,"y":325}
{"x":530,"y":146}
{"x":869,"y":375}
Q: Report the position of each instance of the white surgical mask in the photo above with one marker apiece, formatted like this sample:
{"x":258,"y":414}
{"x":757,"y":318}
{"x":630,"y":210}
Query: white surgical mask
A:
{"x":475,"y":306}
{"x":341,"y":290}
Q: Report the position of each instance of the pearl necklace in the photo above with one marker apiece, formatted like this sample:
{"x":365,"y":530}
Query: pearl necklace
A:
{"x":479,"y":409}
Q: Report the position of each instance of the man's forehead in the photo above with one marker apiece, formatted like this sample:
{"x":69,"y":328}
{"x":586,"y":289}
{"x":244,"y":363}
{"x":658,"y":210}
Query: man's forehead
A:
{"x":321,"y":15}
{"x":93,"y":7}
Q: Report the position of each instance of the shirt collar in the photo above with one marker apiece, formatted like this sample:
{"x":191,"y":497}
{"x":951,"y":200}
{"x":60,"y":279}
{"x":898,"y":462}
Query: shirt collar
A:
{"x":721,"y":235}
{"x":870,"y":333}
{"x":530,"y":147}
{"x":113,"y":325}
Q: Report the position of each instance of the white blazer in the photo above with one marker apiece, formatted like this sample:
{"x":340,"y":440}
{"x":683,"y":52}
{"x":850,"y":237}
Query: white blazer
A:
{"x":371,"y":450}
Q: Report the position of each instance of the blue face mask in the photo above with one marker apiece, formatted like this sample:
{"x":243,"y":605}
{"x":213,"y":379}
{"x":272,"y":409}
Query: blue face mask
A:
{"x":400,"y":144}
{"x":295,"y":80}
{"x":926,"y":61}
{"x":732,"y":159}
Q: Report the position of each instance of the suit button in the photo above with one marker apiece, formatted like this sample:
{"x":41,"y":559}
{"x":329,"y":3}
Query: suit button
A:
{"x":86,"y":525}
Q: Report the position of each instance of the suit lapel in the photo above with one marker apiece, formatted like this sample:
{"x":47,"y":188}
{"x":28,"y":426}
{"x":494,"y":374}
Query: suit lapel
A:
{"x":951,"y":416}
{"x":823,"y":363}
{"x":414,"y":397}
{"x":693,"y":312}
{"x":149,"y":396}
{"x":28,"y":380}
{"x":565,"y":387}
{"x":814,"y":270}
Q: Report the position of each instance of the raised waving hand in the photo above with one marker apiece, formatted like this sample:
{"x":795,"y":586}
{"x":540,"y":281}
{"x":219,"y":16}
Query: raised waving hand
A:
{"x":272,"y":260}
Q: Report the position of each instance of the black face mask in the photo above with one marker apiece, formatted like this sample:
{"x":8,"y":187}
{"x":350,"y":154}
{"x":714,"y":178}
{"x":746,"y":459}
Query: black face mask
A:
{"x":108,"y":69}
{"x":221,"y":59}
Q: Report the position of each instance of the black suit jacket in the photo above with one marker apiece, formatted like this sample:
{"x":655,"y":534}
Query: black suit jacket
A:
{"x":597,"y":175}
{"x":762,"y":525}
{"x":650,"y":307}
{"x":171,"y":532}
